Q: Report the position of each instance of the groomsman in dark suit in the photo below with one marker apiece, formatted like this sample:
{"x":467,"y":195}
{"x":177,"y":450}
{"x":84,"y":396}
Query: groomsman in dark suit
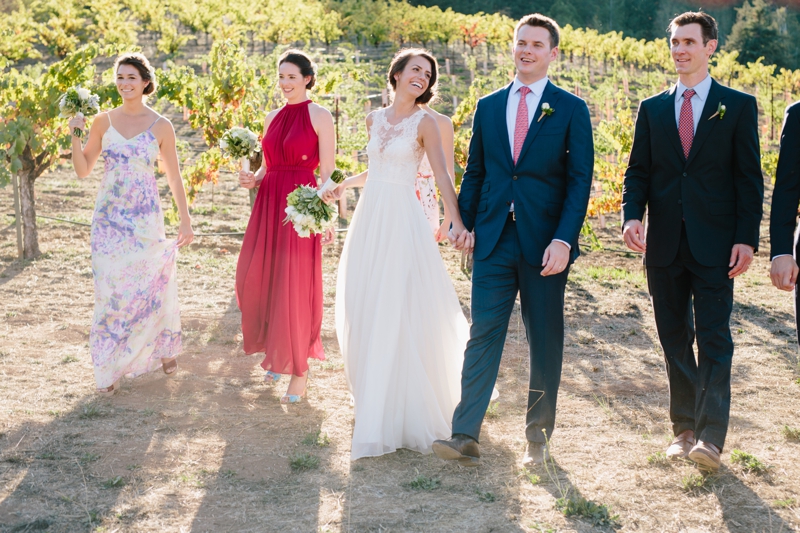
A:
{"x":524,"y":193}
{"x":785,"y":200}
{"x":695,"y":165}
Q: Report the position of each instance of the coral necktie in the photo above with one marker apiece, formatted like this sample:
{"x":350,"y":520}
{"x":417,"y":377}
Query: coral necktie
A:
{"x":521,"y":126}
{"x":686,"y":122}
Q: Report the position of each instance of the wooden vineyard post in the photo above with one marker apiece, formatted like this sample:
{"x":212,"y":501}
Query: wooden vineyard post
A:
{"x":17,"y":214}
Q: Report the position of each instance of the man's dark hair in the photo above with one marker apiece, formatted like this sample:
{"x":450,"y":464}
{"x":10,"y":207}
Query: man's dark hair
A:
{"x":540,"y":21}
{"x":706,"y":22}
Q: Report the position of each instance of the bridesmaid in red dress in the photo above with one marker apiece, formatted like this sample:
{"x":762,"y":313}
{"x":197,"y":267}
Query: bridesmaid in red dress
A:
{"x":279,"y":274}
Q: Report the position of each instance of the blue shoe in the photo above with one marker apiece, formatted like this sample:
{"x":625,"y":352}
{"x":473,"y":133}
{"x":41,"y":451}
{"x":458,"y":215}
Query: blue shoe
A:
{"x":295,"y":398}
{"x":271,"y":377}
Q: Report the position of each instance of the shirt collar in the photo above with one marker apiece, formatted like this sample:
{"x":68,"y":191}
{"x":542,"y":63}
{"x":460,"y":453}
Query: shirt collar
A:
{"x":537,"y":88}
{"x":701,"y":89}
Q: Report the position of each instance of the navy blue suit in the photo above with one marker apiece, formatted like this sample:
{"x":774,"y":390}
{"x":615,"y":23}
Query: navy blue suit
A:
{"x":549,"y":186}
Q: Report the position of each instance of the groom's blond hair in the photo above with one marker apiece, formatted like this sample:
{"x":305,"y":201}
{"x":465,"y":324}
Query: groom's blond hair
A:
{"x":540,"y":21}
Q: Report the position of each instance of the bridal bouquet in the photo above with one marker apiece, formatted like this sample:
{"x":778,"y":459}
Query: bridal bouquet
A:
{"x":240,"y":143}
{"x":306,"y":210}
{"x":78,"y":102}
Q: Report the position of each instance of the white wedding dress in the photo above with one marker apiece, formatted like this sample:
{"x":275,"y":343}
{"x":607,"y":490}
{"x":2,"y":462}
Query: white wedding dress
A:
{"x":400,"y":325}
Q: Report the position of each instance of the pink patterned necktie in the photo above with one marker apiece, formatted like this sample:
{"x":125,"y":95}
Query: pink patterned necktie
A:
{"x":521,"y":126}
{"x":686,"y":122}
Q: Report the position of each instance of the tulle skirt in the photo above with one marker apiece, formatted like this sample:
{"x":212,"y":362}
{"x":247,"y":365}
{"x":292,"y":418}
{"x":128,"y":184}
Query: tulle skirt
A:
{"x":400,"y":325}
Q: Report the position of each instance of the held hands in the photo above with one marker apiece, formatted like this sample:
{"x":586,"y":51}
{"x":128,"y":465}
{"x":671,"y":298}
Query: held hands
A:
{"x":461,"y":239}
{"x":247,"y":179}
{"x":784,"y":272}
{"x":633,"y":235}
{"x":79,"y":122}
{"x":741,"y":257}
{"x":556,"y":258}
{"x":185,"y":234}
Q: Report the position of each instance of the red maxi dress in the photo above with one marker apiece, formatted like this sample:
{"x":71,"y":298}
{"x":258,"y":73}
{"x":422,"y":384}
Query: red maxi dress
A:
{"x":279,"y":274}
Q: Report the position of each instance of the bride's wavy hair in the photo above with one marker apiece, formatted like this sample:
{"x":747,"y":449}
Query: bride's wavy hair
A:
{"x":398,"y":65}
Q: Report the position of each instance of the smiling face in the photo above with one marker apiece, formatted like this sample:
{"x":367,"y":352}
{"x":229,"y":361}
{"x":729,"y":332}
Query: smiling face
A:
{"x":291,"y":81}
{"x":130,"y":84}
{"x":415,"y":77}
{"x":533,"y":53}
{"x":688,"y":51}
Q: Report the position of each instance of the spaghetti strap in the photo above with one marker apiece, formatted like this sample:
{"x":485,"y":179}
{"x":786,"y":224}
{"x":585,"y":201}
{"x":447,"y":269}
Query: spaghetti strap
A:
{"x":108,"y":114}
{"x":154,"y":122}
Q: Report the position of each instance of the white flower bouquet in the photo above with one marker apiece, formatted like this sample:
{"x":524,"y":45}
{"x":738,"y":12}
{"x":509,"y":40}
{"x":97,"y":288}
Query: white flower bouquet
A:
{"x":78,"y":102}
{"x":306,"y":210}
{"x":240,"y":143}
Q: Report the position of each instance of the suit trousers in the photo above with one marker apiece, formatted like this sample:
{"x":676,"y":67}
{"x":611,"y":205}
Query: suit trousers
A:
{"x":496,"y":281}
{"x":699,"y":388}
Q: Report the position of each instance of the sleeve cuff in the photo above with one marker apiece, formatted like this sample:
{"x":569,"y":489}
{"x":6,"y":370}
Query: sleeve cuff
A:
{"x":780,"y":255}
{"x":563,"y":242}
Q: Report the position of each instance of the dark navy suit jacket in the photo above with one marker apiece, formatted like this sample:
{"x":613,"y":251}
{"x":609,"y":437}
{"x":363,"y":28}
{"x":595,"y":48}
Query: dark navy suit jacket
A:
{"x":549,"y":185}
{"x":786,"y":196}
{"x":717,"y":191}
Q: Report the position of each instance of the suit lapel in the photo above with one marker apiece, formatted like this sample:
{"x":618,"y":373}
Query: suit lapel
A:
{"x":667,"y":115}
{"x":500,"y":107}
{"x":549,"y":95}
{"x":705,"y":125}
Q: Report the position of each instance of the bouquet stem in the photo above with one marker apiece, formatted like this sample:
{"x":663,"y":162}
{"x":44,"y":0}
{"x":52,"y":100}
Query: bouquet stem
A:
{"x":245,"y":161}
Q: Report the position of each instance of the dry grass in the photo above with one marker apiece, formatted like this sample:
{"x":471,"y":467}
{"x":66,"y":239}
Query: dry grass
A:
{"x":213,"y":450}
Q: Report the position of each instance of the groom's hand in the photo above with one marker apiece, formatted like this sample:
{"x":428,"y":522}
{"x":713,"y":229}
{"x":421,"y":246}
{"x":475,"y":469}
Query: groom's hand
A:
{"x":556,"y":257}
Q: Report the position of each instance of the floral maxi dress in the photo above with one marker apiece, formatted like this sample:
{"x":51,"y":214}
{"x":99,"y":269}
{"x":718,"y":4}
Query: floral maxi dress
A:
{"x":136,"y":316}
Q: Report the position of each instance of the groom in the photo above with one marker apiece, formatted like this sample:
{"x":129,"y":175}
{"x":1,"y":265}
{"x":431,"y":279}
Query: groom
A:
{"x":524,"y":193}
{"x":695,"y":165}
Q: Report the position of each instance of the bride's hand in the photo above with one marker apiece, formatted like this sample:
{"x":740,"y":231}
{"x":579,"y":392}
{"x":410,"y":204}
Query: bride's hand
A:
{"x":460,"y":237}
{"x":333,"y":194}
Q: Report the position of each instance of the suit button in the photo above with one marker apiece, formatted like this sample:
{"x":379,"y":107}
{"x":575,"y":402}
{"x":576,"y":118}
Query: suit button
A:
{"x":684,"y":174}
{"x":514,"y":178}
{"x":679,"y":201}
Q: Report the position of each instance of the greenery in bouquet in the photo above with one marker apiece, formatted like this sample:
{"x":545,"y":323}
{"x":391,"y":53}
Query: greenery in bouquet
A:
{"x":306,"y":210}
{"x":78,"y":101}
{"x":239,"y":143}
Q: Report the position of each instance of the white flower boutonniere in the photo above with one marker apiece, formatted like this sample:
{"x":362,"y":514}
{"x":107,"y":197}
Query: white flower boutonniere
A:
{"x":546,"y":111}
{"x":720,"y":112}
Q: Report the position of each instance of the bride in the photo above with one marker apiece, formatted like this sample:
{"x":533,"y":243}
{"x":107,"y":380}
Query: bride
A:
{"x":400,"y":326}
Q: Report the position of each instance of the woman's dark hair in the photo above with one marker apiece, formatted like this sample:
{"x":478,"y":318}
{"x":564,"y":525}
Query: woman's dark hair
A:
{"x":399,"y":62}
{"x":140,"y":63}
{"x":301,"y":61}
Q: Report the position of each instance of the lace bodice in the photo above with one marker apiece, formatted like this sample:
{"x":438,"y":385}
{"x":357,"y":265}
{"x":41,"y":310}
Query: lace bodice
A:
{"x":393,"y":150}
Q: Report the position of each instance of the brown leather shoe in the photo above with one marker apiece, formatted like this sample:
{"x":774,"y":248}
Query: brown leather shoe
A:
{"x":681,"y":446}
{"x":706,"y":455}
{"x":536,"y":453}
{"x":459,"y":448}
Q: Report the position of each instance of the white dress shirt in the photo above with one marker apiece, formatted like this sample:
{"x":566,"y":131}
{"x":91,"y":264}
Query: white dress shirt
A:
{"x":532,"y":99}
{"x":698,"y":100}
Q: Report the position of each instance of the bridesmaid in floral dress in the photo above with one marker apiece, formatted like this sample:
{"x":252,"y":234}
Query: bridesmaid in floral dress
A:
{"x":136,"y":327}
{"x":279,"y":273}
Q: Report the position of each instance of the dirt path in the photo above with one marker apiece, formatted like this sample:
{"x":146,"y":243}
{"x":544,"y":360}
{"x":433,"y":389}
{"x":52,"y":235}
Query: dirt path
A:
{"x":210,"y":450}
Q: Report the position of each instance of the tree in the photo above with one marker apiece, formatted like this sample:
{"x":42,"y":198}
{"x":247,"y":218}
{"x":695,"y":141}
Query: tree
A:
{"x":756,"y":34}
{"x":31,"y":134}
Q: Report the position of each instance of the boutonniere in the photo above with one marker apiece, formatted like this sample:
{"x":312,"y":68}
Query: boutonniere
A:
{"x":546,"y":111}
{"x":720,"y":112}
